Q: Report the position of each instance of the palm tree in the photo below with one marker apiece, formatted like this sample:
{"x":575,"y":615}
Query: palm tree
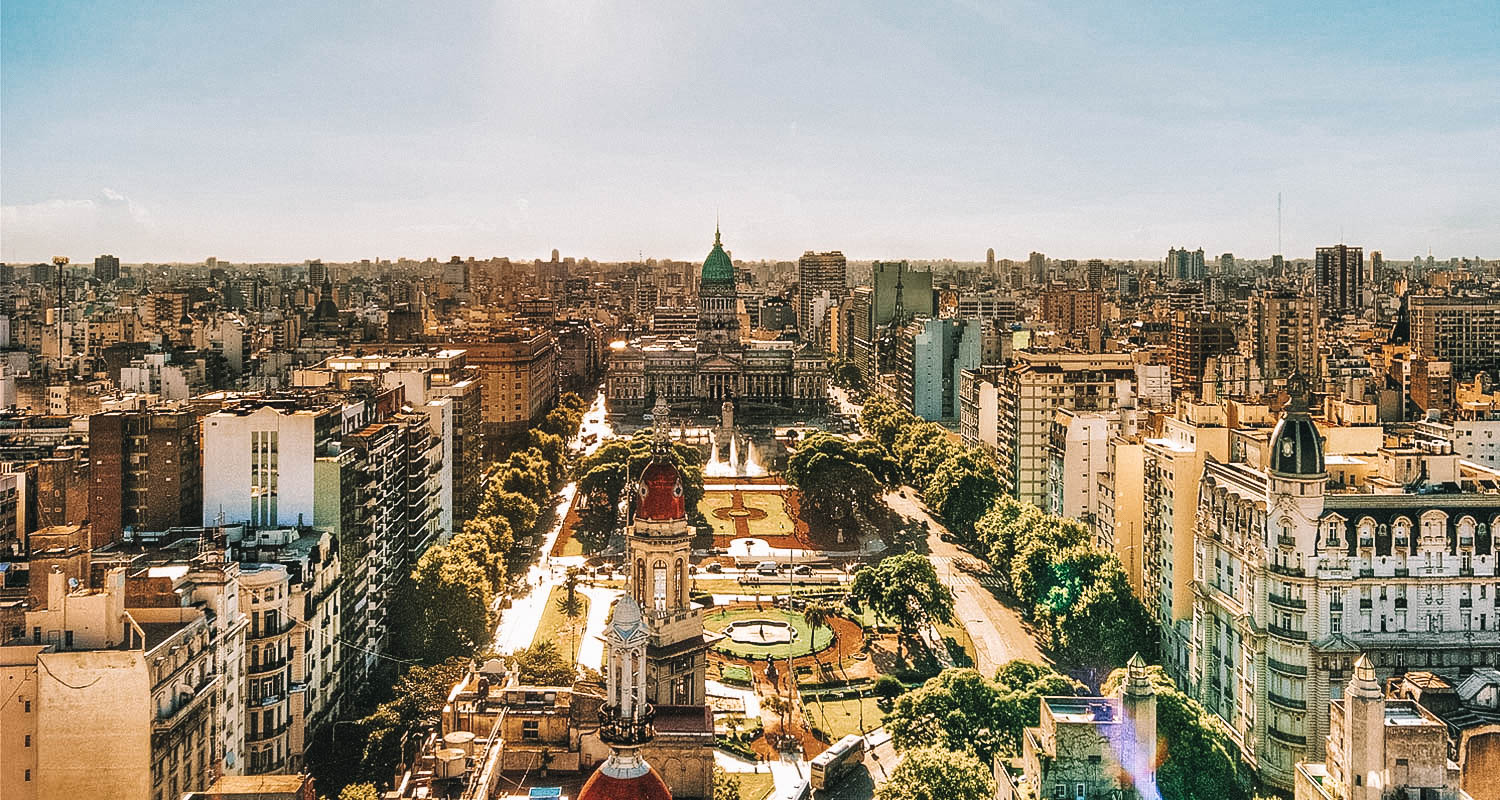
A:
{"x":818,"y":615}
{"x":571,"y":605}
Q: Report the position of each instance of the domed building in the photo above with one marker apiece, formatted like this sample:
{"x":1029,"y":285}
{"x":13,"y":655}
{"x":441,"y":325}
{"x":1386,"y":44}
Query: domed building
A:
{"x":717,"y":363}
{"x":657,"y":659}
{"x":1304,"y":577}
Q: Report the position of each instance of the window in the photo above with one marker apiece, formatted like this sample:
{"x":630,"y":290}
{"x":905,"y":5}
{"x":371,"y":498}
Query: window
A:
{"x":531,"y":730}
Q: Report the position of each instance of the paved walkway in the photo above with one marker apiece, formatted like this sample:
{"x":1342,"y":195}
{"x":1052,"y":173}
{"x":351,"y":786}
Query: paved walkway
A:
{"x":591,"y":645}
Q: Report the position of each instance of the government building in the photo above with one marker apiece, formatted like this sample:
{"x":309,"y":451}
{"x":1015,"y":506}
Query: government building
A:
{"x":698,"y":374}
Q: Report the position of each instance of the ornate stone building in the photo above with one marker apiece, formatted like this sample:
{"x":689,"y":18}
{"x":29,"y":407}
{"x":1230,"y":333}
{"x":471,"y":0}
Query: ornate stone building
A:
{"x":719,"y":365}
{"x":670,"y":657}
{"x":1296,"y":575}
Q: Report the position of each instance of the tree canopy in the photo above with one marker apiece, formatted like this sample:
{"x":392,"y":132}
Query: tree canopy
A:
{"x":452,"y":593}
{"x":904,"y":588}
{"x":930,"y":773}
{"x":542,"y":664}
{"x":836,"y":475}
{"x":960,"y":709}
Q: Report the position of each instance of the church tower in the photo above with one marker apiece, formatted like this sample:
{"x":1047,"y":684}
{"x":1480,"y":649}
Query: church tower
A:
{"x":625,"y":718}
{"x":718,"y":302}
{"x":659,"y":549}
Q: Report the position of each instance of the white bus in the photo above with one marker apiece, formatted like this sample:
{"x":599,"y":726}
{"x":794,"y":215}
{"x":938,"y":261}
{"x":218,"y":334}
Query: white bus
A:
{"x":830,"y":766}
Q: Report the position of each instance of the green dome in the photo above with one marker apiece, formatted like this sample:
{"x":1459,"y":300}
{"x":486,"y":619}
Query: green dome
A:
{"x":717,"y":267}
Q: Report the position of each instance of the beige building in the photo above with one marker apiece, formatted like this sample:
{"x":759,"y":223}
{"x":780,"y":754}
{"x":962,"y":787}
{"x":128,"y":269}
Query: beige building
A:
{"x":1295,"y":575}
{"x":1379,"y":748}
{"x":108,"y":701}
{"x":517,"y":376}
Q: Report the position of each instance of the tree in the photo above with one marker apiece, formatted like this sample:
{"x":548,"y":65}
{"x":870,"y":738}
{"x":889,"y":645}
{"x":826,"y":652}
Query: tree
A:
{"x":904,"y":588}
{"x":883,"y":420}
{"x":554,"y":452}
{"x":1022,"y":686}
{"x":453,"y":595}
{"x":819,"y":615}
{"x":930,"y":773}
{"x":527,"y":473}
{"x":1201,"y":761}
{"x":571,"y":605}
{"x":726,"y":785}
{"x":473,"y":543}
{"x":1106,"y":623}
{"x":962,"y":489}
{"x":518,"y":510}
{"x":359,"y":791}
{"x":836,"y":476}
{"x":542,"y":664}
{"x":955,"y":710}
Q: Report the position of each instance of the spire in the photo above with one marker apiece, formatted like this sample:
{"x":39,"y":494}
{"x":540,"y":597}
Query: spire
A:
{"x":1137,"y":681}
{"x":717,"y":242}
{"x":1363,"y":685}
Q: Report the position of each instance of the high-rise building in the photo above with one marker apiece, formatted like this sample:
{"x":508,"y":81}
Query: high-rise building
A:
{"x":1226,"y":264}
{"x":1339,"y":279}
{"x":1072,"y":309}
{"x":1026,"y":398}
{"x":1096,"y":274}
{"x":1377,"y":268}
{"x":900,"y":291}
{"x":106,"y":268}
{"x":1461,"y":329}
{"x":931,"y":354}
{"x":145,"y":473}
{"x":820,"y":283}
{"x":317,"y":273}
{"x":1198,"y":336}
{"x":1184,"y":265}
{"x":989,"y":261}
{"x":1283,"y":331}
{"x":1037,"y":268}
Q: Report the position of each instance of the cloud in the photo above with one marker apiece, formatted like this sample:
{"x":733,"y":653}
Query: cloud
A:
{"x":110,"y":222}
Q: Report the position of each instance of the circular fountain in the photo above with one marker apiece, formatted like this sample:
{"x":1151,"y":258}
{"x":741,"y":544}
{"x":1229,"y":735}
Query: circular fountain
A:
{"x":764,"y":632}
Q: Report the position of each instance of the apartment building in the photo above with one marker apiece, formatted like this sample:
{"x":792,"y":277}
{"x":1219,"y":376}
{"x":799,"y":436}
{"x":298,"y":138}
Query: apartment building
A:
{"x":1283,"y":334}
{"x":931,"y":354}
{"x":145,"y":471}
{"x":517,"y":374}
{"x":1298,"y":571}
{"x":1460,"y":329}
{"x":110,"y":700}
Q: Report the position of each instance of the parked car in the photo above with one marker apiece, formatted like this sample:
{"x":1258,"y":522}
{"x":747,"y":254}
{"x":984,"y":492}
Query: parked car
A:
{"x":767,"y":568}
{"x":715,"y":567}
{"x":802,"y":569}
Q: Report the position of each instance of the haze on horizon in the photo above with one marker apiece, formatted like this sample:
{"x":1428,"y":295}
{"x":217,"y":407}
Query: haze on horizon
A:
{"x":174,"y":131}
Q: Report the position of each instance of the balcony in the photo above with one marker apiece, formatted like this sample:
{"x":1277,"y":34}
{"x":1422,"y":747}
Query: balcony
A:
{"x":1286,"y":541}
{"x":265,"y":665}
{"x":1403,"y":572}
{"x":1287,"y":633}
{"x":1290,"y":570}
{"x":1286,"y":702}
{"x":1286,"y":669}
{"x":1289,"y":739}
{"x":1289,"y":602}
{"x":262,"y":734}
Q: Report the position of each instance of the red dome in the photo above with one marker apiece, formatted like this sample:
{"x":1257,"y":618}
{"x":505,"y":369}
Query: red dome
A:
{"x":603,"y":786}
{"x":661,"y":489}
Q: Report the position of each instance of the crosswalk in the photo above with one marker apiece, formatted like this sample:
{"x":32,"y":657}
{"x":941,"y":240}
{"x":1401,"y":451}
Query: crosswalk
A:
{"x":965,"y":579}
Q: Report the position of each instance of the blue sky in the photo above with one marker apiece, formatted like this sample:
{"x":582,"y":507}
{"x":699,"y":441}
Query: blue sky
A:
{"x":284,"y":131}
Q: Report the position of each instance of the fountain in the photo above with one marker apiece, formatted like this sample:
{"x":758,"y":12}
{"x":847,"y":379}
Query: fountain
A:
{"x":730,"y":464}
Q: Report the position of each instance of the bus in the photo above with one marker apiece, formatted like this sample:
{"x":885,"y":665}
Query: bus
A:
{"x":830,"y":766}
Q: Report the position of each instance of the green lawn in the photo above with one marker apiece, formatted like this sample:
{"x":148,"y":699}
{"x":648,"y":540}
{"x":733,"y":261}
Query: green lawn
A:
{"x":839,"y":718}
{"x":755,"y":785}
{"x":803,"y":643}
{"x":559,"y":628}
{"x":735,"y":673}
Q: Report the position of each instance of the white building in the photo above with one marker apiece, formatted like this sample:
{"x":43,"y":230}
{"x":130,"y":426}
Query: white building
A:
{"x":1296,"y":574}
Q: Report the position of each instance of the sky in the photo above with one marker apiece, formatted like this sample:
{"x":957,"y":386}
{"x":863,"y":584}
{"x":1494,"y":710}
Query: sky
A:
{"x":283,"y":131}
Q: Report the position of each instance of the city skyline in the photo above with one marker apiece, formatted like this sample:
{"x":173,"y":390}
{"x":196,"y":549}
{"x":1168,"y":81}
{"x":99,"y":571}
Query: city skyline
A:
{"x":289,"y":133}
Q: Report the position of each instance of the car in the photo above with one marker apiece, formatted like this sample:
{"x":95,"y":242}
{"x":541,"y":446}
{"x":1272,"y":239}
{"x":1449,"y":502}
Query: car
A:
{"x":802,"y":569}
{"x":767,"y":568}
{"x":715,"y":567}
{"x":947,"y":537}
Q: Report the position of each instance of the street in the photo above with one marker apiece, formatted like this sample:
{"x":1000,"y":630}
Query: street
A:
{"x":997,"y":630}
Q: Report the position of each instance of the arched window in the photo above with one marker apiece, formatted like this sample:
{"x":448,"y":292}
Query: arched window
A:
{"x":659,"y":585}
